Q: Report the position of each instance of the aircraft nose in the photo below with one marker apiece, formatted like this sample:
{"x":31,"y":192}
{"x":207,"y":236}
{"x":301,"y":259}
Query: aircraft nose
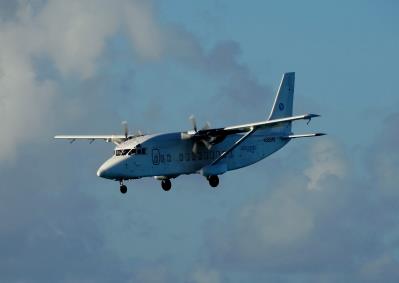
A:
{"x":108,"y":170}
{"x":103,"y":171}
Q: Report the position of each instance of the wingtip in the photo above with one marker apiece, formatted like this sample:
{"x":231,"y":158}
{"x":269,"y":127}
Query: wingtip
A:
{"x":320,"y":134}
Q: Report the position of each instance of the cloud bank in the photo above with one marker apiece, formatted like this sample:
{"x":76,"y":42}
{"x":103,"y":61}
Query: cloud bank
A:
{"x":72,"y":37}
{"x":321,"y":221}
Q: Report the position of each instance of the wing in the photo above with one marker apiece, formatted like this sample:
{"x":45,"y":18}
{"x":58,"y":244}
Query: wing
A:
{"x":214,"y":136}
{"x":117,"y":139}
{"x":268,"y":123}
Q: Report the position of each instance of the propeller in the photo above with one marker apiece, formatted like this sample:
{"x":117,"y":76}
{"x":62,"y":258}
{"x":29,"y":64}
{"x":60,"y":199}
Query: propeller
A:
{"x":125,"y":129}
{"x":195,"y":135}
{"x":118,"y":139}
{"x":193,"y":122}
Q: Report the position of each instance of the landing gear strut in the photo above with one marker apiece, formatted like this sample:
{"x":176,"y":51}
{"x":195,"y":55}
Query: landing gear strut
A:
{"x":123,"y":188}
{"x":213,"y":181}
{"x":166,"y":185}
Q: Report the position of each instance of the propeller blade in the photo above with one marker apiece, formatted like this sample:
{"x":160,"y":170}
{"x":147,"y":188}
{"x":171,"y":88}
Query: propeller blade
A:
{"x":207,"y":144}
{"x":195,"y":148}
{"x":207,"y":126}
{"x":125,"y":128}
{"x":192,"y":119}
{"x":185,"y":136}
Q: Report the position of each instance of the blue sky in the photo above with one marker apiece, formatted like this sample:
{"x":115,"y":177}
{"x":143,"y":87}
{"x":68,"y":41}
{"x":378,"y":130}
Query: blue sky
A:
{"x":320,"y":210}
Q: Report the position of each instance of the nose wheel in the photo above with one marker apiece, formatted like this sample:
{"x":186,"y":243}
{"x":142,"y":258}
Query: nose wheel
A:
{"x":123,"y":188}
{"x":213,"y":181}
{"x":166,"y":185}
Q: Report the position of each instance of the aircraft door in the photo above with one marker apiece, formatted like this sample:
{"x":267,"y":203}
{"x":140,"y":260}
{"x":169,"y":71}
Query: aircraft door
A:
{"x":155,"y":156}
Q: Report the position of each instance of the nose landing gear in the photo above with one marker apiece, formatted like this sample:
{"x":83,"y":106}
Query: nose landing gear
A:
{"x":123,"y":188}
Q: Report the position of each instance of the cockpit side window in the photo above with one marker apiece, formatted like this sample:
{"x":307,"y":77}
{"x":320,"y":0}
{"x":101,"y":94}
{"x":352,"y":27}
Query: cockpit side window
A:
{"x":132,"y":151}
{"x":120,"y":152}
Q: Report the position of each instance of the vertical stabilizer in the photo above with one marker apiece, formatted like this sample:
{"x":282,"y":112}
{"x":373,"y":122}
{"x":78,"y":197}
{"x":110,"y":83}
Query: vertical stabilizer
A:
{"x":283,"y":103}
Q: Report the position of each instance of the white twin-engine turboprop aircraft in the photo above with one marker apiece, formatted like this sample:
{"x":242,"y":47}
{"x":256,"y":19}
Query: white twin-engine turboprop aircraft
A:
{"x":209,"y":152}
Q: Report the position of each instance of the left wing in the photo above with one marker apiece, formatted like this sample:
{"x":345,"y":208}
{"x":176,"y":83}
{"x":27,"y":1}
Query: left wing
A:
{"x":117,"y":139}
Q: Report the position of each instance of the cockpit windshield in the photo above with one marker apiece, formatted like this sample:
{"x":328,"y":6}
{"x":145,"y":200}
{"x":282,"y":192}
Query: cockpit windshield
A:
{"x":130,"y":151}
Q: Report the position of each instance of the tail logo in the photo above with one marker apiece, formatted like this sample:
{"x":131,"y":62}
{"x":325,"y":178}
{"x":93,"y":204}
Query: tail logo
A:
{"x":281,"y":106}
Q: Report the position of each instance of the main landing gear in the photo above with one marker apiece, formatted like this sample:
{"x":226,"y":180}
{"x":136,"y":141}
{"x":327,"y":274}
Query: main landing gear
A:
{"x":123,"y":188}
{"x":166,"y":185}
{"x":213,"y":181}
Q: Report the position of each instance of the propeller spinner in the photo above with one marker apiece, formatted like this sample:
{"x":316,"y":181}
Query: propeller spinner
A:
{"x":195,"y":135}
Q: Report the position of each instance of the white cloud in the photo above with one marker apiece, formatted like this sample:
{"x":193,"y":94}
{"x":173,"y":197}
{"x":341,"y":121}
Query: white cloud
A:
{"x":23,"y":99}
{"x":326,"y":161}
{"x":72,"y":35}
{"x":146,"y":34}
{"x":277,"y":220}
{"x":202,"y":275}
{"x":327,"y":223}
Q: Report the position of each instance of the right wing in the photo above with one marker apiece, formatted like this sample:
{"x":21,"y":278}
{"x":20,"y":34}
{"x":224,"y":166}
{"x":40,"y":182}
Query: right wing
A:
{"x":214,"y":136}
{"x":116,"y":139}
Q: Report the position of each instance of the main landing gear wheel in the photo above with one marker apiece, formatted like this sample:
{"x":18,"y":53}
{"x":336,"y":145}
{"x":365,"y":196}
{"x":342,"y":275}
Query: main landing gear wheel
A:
{"x":166,"y":185}
{"x":123,"y":188}
{"x":213,"y":181}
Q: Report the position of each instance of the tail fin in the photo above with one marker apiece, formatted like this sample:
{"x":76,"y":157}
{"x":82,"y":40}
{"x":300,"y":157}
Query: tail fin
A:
{"x":283,"y":102}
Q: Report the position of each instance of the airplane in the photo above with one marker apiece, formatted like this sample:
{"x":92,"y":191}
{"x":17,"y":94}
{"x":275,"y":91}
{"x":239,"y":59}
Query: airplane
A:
{"x":207,"y":151}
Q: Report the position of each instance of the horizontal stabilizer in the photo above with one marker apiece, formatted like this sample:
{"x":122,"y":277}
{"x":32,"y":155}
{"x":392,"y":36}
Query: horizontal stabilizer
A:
{"x":303,"y":136}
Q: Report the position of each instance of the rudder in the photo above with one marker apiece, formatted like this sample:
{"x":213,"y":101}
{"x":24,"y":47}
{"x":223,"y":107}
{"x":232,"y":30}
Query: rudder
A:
{"x":283,"y":103}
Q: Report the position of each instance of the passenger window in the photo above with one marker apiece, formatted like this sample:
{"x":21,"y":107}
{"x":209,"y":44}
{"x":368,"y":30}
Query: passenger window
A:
{"x":206,"y":155}
{"x":187,"y":156}
{"x":193,"y":156}
{"x":143,"y":150}
{"x":168,"y":158}
{"x":181,"y":156}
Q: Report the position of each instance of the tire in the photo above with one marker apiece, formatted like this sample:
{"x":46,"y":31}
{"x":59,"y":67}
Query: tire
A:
{"x":213,"y":181}
{"x":123,"y":189}
{"x":166,"y":185}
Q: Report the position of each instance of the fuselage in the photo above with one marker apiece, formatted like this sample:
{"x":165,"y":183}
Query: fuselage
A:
{"x":168,"y":155}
